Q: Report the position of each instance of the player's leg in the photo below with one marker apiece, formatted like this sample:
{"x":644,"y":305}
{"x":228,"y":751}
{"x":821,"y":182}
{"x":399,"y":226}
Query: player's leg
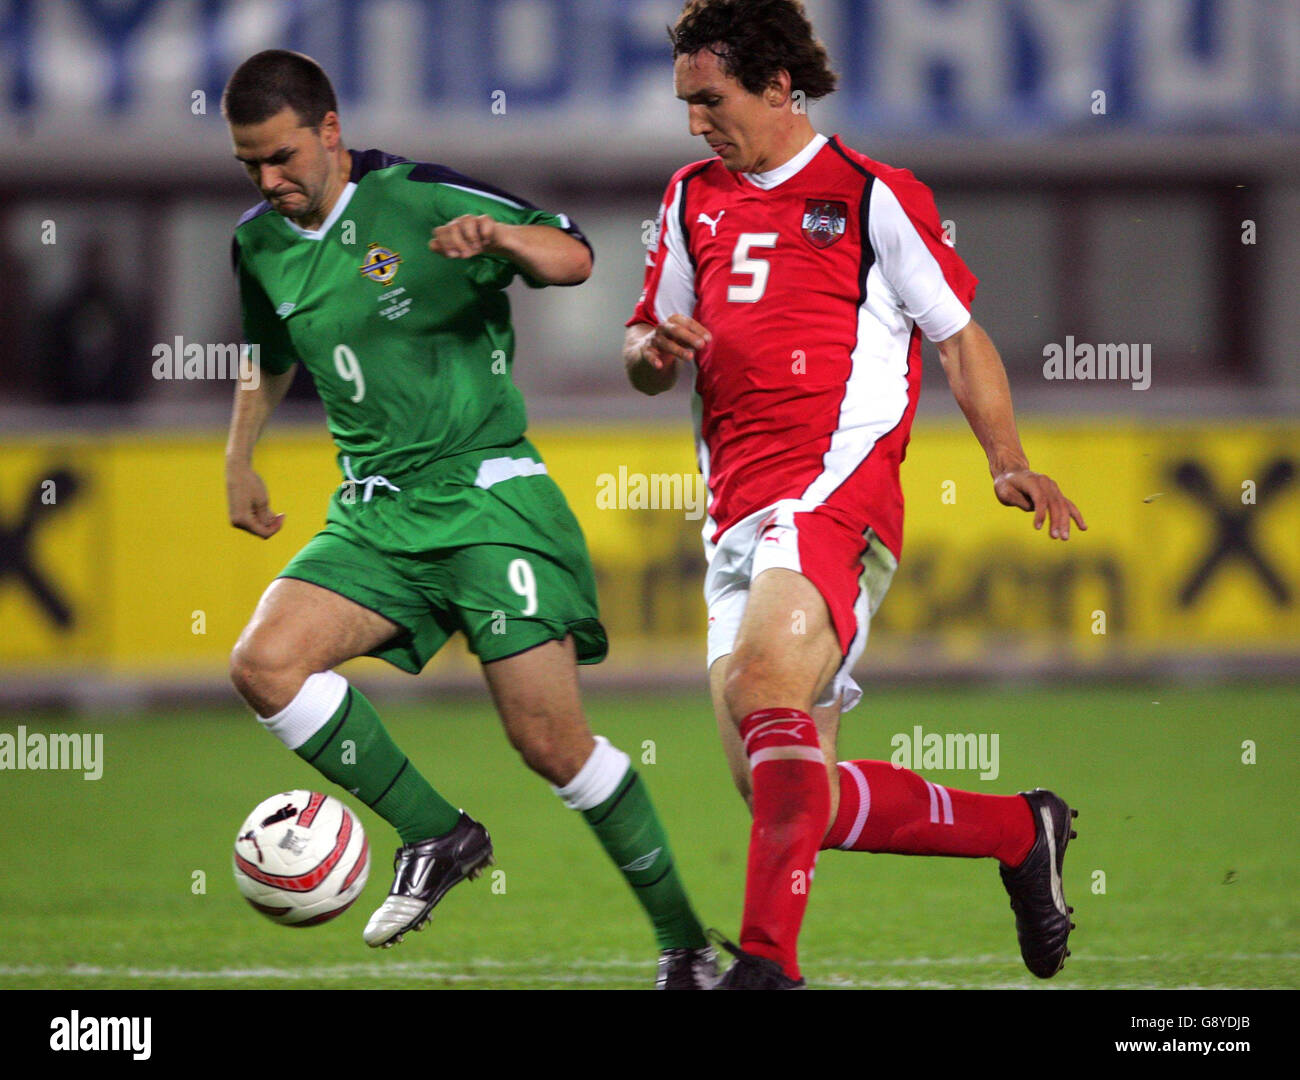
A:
{"x":340,"y":598}
{"x":825,"y":717}
{"x":785,"y":653}
{"x":887,"y":809}
{"x":536,"y":694}
{"x":282,"y":666}
{"x":297,"y":630}
{"x":527,"y":604}
{"x":880,"y":808}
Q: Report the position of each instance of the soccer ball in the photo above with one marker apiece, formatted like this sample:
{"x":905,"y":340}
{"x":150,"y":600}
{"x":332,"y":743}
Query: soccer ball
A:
{"x":301,"y":858}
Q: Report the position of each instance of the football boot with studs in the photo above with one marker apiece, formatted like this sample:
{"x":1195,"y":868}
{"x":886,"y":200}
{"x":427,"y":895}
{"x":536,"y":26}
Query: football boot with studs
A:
{"x":424,"y":872}
{"x":1043,"y":922}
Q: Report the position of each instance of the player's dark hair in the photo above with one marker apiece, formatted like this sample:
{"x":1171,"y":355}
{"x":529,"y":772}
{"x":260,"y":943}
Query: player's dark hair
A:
{"x":754,"y":39}
{"x":269,"y":81}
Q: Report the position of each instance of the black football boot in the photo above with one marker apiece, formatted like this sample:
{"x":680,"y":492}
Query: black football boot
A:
{"x":424,"y":874}
{"x":1042,"y":917}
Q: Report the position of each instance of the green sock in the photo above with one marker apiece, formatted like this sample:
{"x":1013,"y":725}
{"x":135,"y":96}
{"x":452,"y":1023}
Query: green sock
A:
{"x":629,"y":830}
{"x":355,"y":752}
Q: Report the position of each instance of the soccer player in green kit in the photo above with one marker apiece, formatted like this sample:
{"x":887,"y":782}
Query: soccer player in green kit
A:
{"x":386,"y":278}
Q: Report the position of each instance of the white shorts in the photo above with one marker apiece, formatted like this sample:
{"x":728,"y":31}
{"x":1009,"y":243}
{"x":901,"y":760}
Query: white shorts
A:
{"x":771,"y":538}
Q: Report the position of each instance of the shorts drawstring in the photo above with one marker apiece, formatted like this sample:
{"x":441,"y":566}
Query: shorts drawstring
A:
{"x":369,"y":483}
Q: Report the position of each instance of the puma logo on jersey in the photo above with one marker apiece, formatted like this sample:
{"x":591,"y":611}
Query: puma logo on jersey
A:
{"x":712,"y":223}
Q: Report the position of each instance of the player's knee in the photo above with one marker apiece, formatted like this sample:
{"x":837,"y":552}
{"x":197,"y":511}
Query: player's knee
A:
{"x":544,"y":755}
{"x":749,"y":680}
{"x":264,"y":673}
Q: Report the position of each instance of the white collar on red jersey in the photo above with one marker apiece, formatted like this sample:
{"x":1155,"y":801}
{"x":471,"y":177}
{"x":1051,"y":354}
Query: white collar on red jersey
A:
{"x":782,"y":173}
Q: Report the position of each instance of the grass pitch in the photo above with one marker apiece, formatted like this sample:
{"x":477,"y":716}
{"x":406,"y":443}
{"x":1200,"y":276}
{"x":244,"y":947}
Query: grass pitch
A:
{"x":1183,"y":875}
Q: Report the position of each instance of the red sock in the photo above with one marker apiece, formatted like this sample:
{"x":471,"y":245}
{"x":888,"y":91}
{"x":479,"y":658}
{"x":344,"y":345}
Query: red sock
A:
{"x":886,"y":809}
{"x":791,"y":808}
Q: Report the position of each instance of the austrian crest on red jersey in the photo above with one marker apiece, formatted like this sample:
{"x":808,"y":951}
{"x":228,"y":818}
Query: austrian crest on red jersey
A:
{"x":824,"y":221}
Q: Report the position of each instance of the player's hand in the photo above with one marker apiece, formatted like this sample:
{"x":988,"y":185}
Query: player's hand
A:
{"x":676,"y":338}
{"x":469,"y":235}
{"x":1038,"y":492}
{"x":249,"y":504}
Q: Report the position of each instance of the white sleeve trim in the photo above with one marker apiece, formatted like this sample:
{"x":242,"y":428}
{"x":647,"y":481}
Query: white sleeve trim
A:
{"x":911,"y":269}
{"x":676,"y":292}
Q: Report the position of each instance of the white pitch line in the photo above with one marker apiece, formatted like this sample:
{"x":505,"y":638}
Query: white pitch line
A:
{"x":358,"y":971}
{"x":1002,"y":958}
{"x":543,"y":969}
{"x":540,"y":977}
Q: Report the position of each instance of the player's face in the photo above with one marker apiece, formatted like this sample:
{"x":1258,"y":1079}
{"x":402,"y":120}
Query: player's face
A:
{"x":738,"y":126}
{"x":288,"y":163}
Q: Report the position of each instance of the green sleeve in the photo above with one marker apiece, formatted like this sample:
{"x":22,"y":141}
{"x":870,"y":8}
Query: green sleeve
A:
{"x":262,"y":326}
{"x":460,"y":195}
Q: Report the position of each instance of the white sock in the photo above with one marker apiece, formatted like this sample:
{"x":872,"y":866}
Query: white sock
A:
{"x":317,"y":700}
{"x":598,"y":779}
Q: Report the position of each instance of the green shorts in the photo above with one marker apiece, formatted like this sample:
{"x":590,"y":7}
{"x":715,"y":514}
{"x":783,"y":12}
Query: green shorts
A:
{"x":483,"y":543}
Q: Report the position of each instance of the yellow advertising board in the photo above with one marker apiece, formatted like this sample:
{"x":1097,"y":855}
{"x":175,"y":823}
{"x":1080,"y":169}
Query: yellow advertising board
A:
{"x":116,"y":557}
{"x":1190,"y":545}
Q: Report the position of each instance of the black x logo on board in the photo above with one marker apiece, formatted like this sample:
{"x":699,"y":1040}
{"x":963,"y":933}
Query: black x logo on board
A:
{"x":16,"y":546}
{"x":1234,"y":522}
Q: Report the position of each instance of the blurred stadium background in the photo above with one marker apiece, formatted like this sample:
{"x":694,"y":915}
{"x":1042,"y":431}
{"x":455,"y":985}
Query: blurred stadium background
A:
{"x":1170,"y":219}
{"x":1121,"y":171}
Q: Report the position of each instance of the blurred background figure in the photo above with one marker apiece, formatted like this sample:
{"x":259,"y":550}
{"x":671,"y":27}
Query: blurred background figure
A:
{"x":92,"y":345}
{"x":16,"y":370}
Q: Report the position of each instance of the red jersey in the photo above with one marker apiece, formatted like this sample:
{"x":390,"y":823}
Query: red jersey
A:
{"x":816,"y":281}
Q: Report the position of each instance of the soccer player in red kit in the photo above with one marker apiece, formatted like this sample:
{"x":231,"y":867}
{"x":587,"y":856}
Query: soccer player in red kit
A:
{"x":798,"y":276}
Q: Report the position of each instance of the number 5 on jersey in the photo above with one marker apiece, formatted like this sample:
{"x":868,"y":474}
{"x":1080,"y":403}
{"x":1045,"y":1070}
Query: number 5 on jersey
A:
{"x":757,"y":269}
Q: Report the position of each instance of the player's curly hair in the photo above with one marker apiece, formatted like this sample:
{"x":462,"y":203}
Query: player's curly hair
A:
{"x":273,"y":79}
{"x":754,"y":39}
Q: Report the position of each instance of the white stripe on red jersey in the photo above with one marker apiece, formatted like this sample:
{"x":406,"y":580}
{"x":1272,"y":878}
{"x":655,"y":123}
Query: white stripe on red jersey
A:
{"x":816,"y":281}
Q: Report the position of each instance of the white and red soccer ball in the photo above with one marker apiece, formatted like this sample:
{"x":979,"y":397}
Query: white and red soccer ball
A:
{"x":301,"y":858}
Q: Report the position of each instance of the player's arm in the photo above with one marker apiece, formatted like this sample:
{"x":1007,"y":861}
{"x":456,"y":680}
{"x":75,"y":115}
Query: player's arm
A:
{"x":542,"y":252}
{"x":255,"y":399}
{"x":246,"y":497}
{"x":651,"y":353}
{"x":661,"y":334}
{"x":979,"y":383}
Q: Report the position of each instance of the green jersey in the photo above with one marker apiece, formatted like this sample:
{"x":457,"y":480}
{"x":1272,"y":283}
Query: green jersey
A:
{"x":411,"y":352}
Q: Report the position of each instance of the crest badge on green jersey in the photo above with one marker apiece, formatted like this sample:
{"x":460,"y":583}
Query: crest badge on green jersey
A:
{"x":380,"y":264}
